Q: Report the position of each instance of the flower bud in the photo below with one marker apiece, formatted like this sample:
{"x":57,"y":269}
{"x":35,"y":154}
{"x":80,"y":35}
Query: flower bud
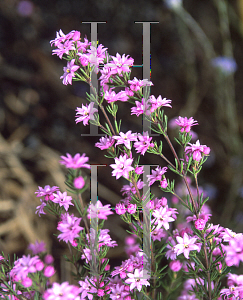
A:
{"x":79,"y":182}
{"x":49,"y":271}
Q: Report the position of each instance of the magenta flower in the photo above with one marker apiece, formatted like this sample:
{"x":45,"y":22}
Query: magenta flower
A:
{"x":120,"y":209}
{"x":40,"y":208}
{"x":144,"y":143}
{"x":200,"y":224}
{"x":69,"y":227}
{"x":197,"y":150}
{"x":47,"y":192}
{"x":175,"y":265}
{"x":23,"y":266}
{"x":122,"y":167}
{"x":63,"y":200}
{"x":163,"y":217}
{"x":99,"y":211}
{"x":62,"y":291}
{"x":63,"y":49}
{"x":185,"y":123}
{"x":156,"y":175}
{"x":69,"y":72}
{"x":185,"y":245}
{"x":118,"y":292}
{"x":131,"y":208}
{"x":138,"y":279}
{"x":120,"y":63}
{"x":85,"y":113}
{"x":110,"y":96}
{"x":156,"y":103}
{"x":126,"y":138}
{"x":75,"y":162}
{"x":105,"y":142}
{"x":140,"y":108}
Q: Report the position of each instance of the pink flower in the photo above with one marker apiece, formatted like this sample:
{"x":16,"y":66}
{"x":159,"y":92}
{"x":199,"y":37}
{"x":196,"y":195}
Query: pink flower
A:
{"x":47,"y":192}
{"x":37,"y":247}
{"x":79,"y":182}
{"x":64,"y":49}
{"x":185,"y":245}
{"x":139,"y":170}
{"x":26,"y":282}
{"x":122,"y":167}
{"x":48,"y":259}
{"x":75,"y":162}
{"x":99,"y":211}
{"x":164,"y":183}
{"x":163,"y":217}
{"x":86,"y":112}
{"x":185,"y":123}
{"x":40,"y":208}
{"x":49,"y":271}
{"x":197,"y":150}
{"x":138,"y":279}
{"x":200,"y":224}
{"x":69,"y":227}
{"x":141,"y":107}
{"x":120,"y":64}
{"x":126,"y":138}
{"x":69,"y":72}
{"x":156,"y":103}
{"x":62,"y":291}
{"x":23,"y":266}
{"x":156,"y":175}
{"x":120,"y":209}
{"x":175,"y":265}
{"x":63,"y":200}
{"x":131,"y":208}
{"x":144,"y":143}
{"x":105,"y":142}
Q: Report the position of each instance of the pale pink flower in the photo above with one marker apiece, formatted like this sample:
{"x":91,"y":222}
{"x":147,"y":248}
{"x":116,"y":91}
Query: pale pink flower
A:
{"x":62,"y":291}
{"x":122,"y":167}
{"x":141,"y":107}
{"x":63,"y":200}
{"x":185,"y":245}
{"x":144,"y":143}
{"x":69,"y":72}
{"x":85,"y":113}
{"x":163,"y":217}
{"x":47,"y":192}
{"x":126,"y":138}
{"x":99,"y":211}
{"x":138,"y":279}
{"x":69,"y":227}
{"x":105,"y":142}
{"x":156,"y":175}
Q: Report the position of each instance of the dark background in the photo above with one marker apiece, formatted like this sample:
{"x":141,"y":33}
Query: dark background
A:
{"x":37,"y":111}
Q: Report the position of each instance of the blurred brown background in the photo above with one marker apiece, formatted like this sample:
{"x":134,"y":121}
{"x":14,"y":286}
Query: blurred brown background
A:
{"x":37,"y":111}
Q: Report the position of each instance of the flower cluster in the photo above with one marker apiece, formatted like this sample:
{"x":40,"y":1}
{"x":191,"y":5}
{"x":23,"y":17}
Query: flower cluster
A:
{"x":198,"y":253}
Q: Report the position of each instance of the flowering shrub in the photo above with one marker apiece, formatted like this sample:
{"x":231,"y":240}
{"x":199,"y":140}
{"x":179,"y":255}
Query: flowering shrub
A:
{"x":173,"y":250}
